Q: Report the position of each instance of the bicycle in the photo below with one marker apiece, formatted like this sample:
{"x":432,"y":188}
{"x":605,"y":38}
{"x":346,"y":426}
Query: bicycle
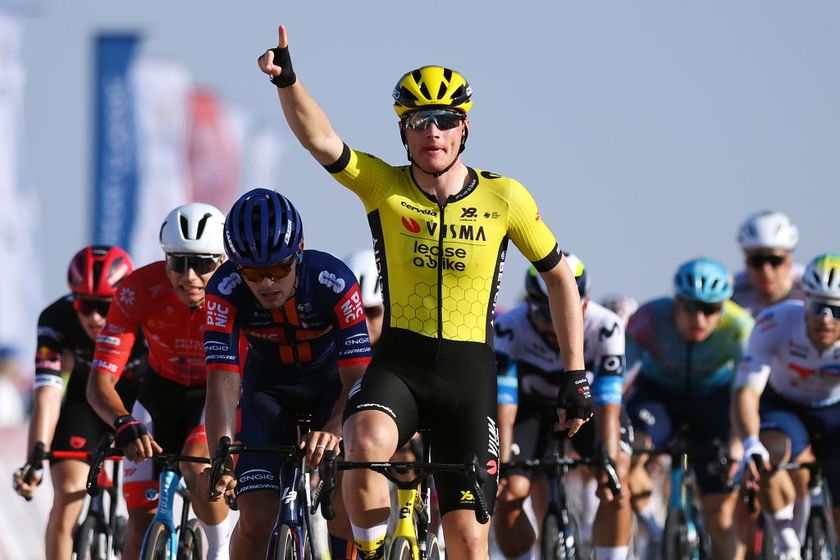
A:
{"x":411,"y":539}
{"x":684,"y":536}
{"x":163,"y":540}
{"x":559,"y":533}
{"x":291,"y":538}
{"x":101,"y":533}
{"x":820,"y":542}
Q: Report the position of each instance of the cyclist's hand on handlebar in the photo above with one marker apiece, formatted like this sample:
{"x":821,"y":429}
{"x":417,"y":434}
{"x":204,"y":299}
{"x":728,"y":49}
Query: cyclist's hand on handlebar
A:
{"x":315,"y":444}
{"x":754,"y":451}
{"x":27,"y":489}
{"x":135,"y":441}
{"x":574,"y":401}
{"x":225,"y":486}
{"x":277,"y":63}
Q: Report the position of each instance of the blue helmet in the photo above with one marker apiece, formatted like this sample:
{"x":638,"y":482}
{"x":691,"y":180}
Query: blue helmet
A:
{"x":703,"y":280}
{"x":262,"y":228}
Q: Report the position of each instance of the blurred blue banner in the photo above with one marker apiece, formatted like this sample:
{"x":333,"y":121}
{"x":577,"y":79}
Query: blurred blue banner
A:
{"x":115,"y":190}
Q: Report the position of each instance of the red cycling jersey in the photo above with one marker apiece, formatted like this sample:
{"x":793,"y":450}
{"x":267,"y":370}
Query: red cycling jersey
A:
{"x":174,"y":333}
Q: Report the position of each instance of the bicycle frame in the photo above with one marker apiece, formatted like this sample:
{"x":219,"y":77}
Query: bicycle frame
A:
{"x":681,"y":498}
{"x":170,"y":481}
{"x":293,"y":510}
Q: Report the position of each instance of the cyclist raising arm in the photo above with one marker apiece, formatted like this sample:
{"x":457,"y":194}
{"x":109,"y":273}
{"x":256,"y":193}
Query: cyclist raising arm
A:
{"x":440,"y":233}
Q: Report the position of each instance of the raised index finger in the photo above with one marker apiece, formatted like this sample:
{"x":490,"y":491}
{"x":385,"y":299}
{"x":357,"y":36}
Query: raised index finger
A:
{"x":282,"y":41}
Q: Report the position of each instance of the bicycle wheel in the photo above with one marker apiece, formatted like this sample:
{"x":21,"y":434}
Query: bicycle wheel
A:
{"x":558,"y":539}
{"x":288,"y":545}
{"x":818,"y":542}
{"x":85,"y":541}
{"x":400,"y":549}
{"x":432,"y":547}
{"x":675,"y":541}
{"x":191,"y":541}
{"x":156,"y":543}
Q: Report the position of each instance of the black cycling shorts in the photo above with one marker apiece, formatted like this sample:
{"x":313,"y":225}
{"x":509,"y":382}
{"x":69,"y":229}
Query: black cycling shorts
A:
{"x":445,"y":387}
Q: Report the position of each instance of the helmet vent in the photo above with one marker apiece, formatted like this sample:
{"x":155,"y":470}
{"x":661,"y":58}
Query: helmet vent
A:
{"x":97,"y":273}
{"x":201,"y":225}
{"x":425,"y":91}
{"x":441,"y":91}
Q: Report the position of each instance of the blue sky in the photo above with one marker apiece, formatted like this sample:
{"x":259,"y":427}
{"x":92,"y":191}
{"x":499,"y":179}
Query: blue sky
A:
{"x":646,"y":131}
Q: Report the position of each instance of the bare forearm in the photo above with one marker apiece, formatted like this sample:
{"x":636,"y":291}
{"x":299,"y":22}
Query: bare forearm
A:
{"x":103,"y":397}
{"x":507,"y":419}
{"x":566,"y":314}
{"x":745,"y":416}
{"x":45,"y":412}
{"x":348,"y":376}
{"x":220,"y":406}
{"x":310,"y":124}
{"x":608,"y":427}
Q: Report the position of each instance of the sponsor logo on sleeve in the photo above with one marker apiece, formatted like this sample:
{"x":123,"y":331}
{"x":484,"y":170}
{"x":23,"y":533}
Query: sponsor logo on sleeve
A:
{"x":330,"y":280}
{"x":229,"y":283}
{"x":127,"y":296}
{"x":218,"y":315}
{"x":107,"y":366}
{"x":50,"y":332}
{"x":349,"y":309}
{"x":104,"y":339}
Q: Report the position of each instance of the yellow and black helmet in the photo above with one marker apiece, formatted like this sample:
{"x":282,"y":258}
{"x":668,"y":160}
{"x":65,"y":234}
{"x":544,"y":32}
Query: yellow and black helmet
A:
{"x":432,"y":86}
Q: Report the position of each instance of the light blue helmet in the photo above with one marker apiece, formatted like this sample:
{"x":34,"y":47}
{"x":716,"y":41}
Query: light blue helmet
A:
{"x":703,"y":280}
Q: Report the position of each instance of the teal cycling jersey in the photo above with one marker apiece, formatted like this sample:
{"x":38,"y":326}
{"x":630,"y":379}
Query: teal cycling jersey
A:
{"x":698,"y":368}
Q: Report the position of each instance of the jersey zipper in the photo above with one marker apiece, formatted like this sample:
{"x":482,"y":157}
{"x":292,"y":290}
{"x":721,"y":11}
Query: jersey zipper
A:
{"x":440,"y":275}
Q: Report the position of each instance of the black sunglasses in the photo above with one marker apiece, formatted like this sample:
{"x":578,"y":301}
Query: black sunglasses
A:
{"x":201,"y":264}
{"x":758,"y":261}
{"x":819,"y":308}
{"x":87,"y":306}
{"x":442,"y":118}
{"x":693,"y":307}
{"x":540,"y":312}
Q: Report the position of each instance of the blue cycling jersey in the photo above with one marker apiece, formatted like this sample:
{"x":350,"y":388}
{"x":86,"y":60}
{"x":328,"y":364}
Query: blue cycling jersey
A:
{"x":320,"y":327}
{"x":698,"y":368}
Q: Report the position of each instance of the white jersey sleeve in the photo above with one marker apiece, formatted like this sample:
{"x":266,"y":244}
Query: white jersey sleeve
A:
{"x":781,"y":355}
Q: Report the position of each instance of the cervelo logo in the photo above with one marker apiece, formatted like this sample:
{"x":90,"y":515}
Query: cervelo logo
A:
{"x":231,"y":281}
{"x":330,"y":280}
{"x":112,"y":340}
{"x":217,"y":314}
{"x":426,"y":211}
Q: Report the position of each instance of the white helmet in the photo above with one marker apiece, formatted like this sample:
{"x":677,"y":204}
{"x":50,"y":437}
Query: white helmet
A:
{"x":768,"y":230}
{"x":363,"y":265}
{"x":822,"y":277}
{"x":194,"y":228}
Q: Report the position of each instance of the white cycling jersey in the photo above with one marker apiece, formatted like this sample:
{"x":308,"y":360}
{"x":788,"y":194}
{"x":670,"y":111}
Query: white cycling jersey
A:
{"x":779,"y":352}
{"x":537,"y":364}
{"x":746,"y":296}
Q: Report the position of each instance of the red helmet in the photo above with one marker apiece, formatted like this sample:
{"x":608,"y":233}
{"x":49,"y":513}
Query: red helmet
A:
{"x":96,"y":270}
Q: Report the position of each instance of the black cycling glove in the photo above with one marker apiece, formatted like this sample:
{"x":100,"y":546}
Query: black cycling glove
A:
{"x":284,"y":61}
{"x":128,"y":430}
{"x":574,"y":396}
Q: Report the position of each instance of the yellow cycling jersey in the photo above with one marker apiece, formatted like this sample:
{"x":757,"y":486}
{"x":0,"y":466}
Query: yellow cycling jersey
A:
{"x":441,"y":264}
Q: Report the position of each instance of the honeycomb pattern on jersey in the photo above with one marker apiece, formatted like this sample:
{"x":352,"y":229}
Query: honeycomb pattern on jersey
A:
{"x":466,"y":304}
